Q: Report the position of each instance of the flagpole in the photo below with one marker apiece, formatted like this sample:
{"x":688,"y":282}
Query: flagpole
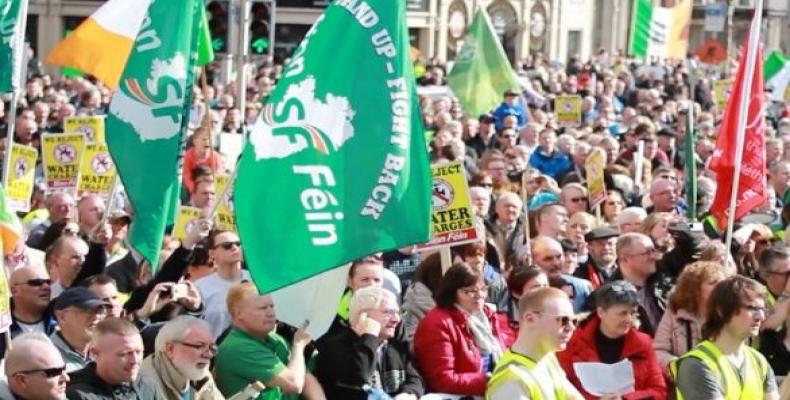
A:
{"x":754,"y":42}
{"x":16,"y":84}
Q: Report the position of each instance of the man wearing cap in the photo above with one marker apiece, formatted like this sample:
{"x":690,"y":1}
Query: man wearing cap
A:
{"x":485,"y":135}
{"x":600,"y":266}
{"x":78,"y":310}
{"x":510,"y":106}
{"x":636,"y":258}
{"x":119,"y":223}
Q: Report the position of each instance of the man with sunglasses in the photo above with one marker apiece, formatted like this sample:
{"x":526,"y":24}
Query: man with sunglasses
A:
{"x":224,"y":249}
{"x":34,"y":370}
{"x":180,"y":364}
{"x":529,"y":369}
{"x":30,"y":294}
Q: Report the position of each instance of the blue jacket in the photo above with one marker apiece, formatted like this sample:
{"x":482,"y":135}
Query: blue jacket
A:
{"x":556,"y":165}
{"x":506,"y":109}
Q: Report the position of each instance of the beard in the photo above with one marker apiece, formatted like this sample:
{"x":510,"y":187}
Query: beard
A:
{"x":192,"y":371}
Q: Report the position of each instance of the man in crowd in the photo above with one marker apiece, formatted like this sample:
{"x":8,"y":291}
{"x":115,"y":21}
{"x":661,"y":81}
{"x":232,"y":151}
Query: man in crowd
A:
{"x":551,"y":220}
{"x":506,"y":225}
{"x":91,"y":209}
{"x":114,"y":374}
{"x":574,"y":198}
{"x":637,"y":257}
{"x":601,"y":265}
{"x":547,"y":254}
{"x":529,"y":367}
{"x":225,"y":249}
{"x":78,"y":311}
{"x":30,"y":294}
{"x":60,"y":206}
{"x":252,"y":351}
{"x":34,"y":370}
{"x":180,"y":365}
{"x":664,"y":197}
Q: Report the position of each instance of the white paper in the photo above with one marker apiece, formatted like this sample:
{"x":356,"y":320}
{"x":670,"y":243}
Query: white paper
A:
{"x":315,"y":300}
{"x":600,"y":379}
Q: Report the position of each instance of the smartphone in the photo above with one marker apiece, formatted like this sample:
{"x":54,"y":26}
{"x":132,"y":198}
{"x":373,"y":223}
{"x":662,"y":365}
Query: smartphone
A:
{"x":179,"y":291}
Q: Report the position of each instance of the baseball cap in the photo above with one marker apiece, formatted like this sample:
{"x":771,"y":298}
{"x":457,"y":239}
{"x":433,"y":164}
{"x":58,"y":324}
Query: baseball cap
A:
{"x":601,"y":233}
{"x":81,"y":297}
{"x":120,"y":215}
{"x":510,"y":92}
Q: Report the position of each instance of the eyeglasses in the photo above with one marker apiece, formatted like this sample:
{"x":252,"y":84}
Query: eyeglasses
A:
{"x":36,"y":282}
{"x":564,"y":320}
{"x":649,"y":251}
{"x":755,"y":309}
{"x":212,"y":348}
{"x":579,"y":199}
{"x":48,"y":372}
{"x":228,"y":245}
{"x":486,"y":184}
{"x":479,"y":290}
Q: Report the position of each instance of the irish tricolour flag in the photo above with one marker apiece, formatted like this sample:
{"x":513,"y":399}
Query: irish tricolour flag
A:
{"x":660,"y":32}
{"x":776,"y":72}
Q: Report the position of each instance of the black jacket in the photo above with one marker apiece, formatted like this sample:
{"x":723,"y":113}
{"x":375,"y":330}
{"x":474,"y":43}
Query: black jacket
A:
{"x":86,"y":385}
{"x":348,"y":361}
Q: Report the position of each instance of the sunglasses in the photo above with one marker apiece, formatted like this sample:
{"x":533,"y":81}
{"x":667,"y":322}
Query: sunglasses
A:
{"x":564,"y":320}
{"x":578,"y":199}
{"x":37,"y":282}
{"x":228,"y":245}
{"x":48,"y":372}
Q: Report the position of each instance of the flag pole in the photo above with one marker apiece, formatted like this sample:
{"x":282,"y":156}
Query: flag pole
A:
{"x":751,"y":55}
{"x":15,"y":84}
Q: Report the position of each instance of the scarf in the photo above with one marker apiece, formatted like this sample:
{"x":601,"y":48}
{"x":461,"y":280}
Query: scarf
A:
{"x":483,"y":334}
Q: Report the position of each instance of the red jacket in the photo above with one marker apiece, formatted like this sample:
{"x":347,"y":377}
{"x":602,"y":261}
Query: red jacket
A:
{"x":638,"y":348}
{"x":446,"y":353}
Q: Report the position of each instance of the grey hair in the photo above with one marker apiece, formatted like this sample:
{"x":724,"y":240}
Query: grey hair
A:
{"x":177,"y":329}
{"x":367,"y":298}
{"x":638,"y":212}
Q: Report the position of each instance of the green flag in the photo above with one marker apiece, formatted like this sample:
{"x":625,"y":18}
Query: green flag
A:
{"x":205,"y":50}
{"x":481,"y":73}
{"x":336,"y":166}
{"x":13,"y":14}
{"x":691,"y":165}
{"x":147,"y":118}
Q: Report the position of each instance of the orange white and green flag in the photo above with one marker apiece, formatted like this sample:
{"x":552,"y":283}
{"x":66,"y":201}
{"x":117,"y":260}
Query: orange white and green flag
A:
{"x":10,"y":226}
{"x":660,"y":32}
{"x":101,"y":45}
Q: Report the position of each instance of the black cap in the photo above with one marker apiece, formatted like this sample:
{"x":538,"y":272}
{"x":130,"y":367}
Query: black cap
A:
{"x":601,"y":233}
{"x":510,"y":92}
{"x":667,"y":132}
{"x":569,"y":246}
{"x":486,"y":118}
{"x":81,"y":297}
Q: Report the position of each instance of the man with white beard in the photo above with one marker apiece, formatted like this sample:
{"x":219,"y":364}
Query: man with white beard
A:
{"x":180,"y":363}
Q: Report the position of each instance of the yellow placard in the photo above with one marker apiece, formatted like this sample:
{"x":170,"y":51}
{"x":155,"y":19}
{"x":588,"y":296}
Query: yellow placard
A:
{"x":61,"y":155}
{"x":21,"y":176}
{"x":91,"y":127}
{"x":720,"y":92}
{"x":787,"y":93}
{"x":594,"y":167}
{"x":568,"y":109}
{"x":452,"y":217}
{"x":186,"y":218}
{"x":225,"y":219}
{"x":97,"y":171}
{"x":5,"y":302}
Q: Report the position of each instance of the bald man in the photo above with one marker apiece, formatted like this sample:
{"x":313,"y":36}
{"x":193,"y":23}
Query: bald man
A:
{"x":34,"y":370}
{"x":547,"y":255}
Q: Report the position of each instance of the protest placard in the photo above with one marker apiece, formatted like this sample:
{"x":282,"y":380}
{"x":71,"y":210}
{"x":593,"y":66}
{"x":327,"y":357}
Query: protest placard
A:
{"x":594,"y":166}
{"x":225,"y":220}
{"x":21,"y":177}
{"x":453,"y":217}
{"x":61,"y":155}
{"x":92,"y":127}
{"x":568,"y":110}
{"x":97,"y":170}
{"x":187,"y":216}
{"x":721,"y":91}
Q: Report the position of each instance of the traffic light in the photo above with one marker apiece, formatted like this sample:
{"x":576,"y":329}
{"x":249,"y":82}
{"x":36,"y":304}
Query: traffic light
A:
{"x":260,"y":21}
{"x":217,"y":13}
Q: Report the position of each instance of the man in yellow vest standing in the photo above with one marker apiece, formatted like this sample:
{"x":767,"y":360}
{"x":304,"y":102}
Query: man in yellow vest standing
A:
{"x":723,"y":366}
{"x":529,"y":370}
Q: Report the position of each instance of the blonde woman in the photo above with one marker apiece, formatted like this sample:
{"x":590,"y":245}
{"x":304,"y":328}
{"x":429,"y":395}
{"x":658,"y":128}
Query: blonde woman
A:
{"x":656,"y":225}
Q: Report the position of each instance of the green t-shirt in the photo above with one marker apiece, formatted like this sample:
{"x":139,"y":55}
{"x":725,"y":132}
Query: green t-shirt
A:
{"x":243,"y":359}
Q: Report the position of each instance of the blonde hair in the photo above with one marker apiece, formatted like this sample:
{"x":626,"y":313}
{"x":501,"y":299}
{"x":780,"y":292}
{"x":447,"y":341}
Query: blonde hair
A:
{"x":238,"y":293}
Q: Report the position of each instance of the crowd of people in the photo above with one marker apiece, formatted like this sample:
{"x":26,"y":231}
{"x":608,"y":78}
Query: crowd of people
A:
{"x":553,"y":281}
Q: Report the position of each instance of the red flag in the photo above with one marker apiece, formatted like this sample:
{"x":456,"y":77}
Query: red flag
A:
{"x":752,"y":185}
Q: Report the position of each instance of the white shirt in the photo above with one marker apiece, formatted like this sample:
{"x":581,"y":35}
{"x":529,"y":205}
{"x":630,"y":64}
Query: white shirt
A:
{"x":214,"y":291}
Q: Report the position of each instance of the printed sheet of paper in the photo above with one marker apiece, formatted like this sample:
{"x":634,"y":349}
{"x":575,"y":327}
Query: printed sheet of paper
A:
{"x":600,"y":379}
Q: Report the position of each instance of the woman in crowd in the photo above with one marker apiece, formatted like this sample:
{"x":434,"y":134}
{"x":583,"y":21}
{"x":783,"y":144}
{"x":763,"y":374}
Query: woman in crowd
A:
{"x":418,"y":299}
{"x":681,"y":327}
{"x":580,"y":224}
{"x":612,"y":206}
{"x":656,"y":225}
{"x":609,"y":336}
{"x":458,"y":343}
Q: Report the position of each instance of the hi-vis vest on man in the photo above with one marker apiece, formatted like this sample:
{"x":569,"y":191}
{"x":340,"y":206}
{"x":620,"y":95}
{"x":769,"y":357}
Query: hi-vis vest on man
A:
{"x":716,"y":362}
{"x":516,"y":367}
